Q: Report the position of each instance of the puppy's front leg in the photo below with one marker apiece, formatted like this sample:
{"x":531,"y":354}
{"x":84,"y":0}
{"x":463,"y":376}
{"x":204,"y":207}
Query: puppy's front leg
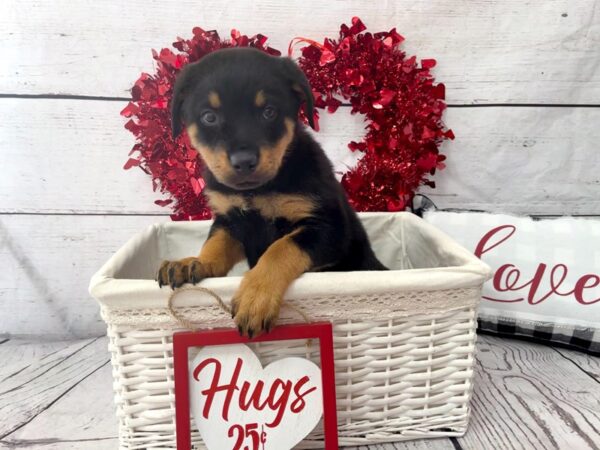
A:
{"x":218,"y":255}
{"x":256,"y":304}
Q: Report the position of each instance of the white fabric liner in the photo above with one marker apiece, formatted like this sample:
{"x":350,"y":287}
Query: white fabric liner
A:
{"x":421,"y":256}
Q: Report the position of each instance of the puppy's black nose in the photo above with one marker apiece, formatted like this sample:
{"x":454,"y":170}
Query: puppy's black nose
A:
{"x":244,"y":161}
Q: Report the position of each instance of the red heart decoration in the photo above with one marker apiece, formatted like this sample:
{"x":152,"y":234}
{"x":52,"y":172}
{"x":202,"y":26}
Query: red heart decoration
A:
{"x":401,"y":104}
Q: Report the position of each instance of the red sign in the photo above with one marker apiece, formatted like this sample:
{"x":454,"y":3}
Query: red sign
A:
{"x":239,"y":405}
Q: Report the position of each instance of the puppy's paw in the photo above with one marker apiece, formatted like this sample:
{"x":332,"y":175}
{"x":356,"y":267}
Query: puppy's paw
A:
{"x":255,"y":306}
{"x":177,"y":273}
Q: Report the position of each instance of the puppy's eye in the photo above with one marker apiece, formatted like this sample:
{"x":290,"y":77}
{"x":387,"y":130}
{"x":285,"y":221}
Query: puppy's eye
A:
{"x":269,"y":113}
{"x":209,"y":118}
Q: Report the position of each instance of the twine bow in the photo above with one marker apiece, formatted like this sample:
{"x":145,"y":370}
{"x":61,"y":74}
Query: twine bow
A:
{"x":185,"y":323}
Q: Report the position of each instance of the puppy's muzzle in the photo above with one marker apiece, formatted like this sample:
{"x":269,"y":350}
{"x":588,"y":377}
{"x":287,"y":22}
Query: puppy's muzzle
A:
{"x":244,"y":160}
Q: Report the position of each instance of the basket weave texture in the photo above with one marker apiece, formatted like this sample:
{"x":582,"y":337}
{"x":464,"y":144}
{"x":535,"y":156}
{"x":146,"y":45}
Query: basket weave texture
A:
{"x":404,"y":346}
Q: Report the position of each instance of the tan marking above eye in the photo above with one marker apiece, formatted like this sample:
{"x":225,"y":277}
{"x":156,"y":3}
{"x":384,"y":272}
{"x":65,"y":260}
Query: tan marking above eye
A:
{"x":214,"y":99}
{"x":292,"y":207}
{"x":260,"y":98}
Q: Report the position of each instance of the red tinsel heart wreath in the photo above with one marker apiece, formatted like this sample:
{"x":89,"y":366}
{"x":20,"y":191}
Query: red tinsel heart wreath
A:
{"x":401,"y":104}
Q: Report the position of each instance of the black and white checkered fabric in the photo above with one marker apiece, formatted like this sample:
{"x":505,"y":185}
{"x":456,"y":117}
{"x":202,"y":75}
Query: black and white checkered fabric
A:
{"x":584,"y":340}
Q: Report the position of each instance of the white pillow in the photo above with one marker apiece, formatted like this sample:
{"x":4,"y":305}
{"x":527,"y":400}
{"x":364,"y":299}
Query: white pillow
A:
{"x":546,"y":282}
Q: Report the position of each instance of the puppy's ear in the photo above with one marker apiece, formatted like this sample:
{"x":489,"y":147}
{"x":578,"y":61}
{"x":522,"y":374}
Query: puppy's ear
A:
{"x":182,"y":87}
{"x":299,"y":84}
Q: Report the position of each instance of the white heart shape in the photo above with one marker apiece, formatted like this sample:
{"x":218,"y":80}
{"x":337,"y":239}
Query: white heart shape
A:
{"x":223,"y":427}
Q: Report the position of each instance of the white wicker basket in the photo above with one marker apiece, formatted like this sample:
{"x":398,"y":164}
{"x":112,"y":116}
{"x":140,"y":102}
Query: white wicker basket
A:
{"x":404,"y":339}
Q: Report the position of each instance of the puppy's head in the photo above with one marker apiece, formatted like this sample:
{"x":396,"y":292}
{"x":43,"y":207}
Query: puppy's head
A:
{"x":240,"y":108}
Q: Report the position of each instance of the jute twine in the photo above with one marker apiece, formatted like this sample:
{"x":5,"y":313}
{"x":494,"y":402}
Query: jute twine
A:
{"x":185,"y":323}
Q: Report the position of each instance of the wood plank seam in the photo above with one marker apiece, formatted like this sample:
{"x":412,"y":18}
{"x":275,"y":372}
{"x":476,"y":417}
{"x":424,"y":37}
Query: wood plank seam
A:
{"x":117,"y":214}
{"x":591,"y":375}
{"x":17,"y":373}
{"x":82,"y":213}
{"x":27,"y":443}
{"x":67,"y":97}
{"x":343,"y":105}
{"x":49,"y":368}
{"x":455,"y":443}
{"x":49,"y":405}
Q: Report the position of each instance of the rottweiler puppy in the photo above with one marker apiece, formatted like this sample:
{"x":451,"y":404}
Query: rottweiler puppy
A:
{"x":270,"y":186}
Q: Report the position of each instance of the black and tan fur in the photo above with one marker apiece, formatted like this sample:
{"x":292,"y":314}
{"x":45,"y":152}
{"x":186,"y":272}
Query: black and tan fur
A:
{"x":269,"y":184}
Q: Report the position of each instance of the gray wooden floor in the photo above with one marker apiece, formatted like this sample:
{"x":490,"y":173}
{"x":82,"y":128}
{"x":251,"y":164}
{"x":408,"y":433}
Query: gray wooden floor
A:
{"x":58,"y":395}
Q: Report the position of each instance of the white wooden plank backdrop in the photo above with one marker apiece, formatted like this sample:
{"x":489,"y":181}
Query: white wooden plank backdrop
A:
{"x":66,"y":204}
{"x":67,"y":157}
{"x":507,"y":51}
{"x":47,"y":265}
